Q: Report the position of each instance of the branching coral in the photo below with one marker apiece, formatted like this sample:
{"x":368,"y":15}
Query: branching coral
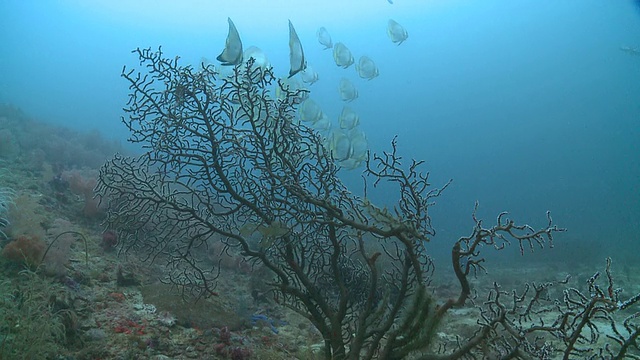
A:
{"x":226,"y":162}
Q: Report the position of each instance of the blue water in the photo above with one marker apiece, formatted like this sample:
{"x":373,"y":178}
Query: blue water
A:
{"x":528,"y":105}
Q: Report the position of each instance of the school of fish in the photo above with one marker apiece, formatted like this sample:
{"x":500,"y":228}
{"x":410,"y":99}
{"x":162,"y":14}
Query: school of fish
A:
{"x":346,"y":142}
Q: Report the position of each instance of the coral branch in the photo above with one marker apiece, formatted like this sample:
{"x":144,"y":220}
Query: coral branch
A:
{"x":227,"y":165}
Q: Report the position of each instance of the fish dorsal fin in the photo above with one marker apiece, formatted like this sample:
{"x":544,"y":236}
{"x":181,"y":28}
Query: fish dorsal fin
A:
{"x":296,"y":54}
{"x":232,"y":53}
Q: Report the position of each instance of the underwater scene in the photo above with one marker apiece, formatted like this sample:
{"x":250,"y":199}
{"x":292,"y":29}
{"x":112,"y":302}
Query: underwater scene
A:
{"x":380,"y":179}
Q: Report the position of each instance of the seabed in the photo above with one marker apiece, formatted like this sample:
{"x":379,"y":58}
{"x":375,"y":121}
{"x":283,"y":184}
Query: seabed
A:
{"x":114,"y":307}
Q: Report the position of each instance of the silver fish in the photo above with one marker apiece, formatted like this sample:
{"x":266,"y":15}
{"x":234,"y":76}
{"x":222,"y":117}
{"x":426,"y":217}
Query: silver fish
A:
{"x":359,"y":145}
{"x":259,"y":57}
{"x":309,"y":76}
{"x":358,"y":149}
{"x":347,"y":91}
{"x":324,"y":38}
{"x":396,"y":32}
{"x":366,"y":68}
{"x":348,"y":119}
{"x":310,"y":111}
{"x":342,"y":55}
{"x":267,"y":234}
{"x":323,"y":124}
{"x":340,"y":145}
{"x":260,"y":61}
{"x":631,"y":50}
{"x":293,"y":86}
{"x":232,"y":53}
{"x":296,"y":54}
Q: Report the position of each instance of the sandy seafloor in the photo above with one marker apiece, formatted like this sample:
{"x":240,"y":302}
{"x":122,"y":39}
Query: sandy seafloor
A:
{"x":77,"y":308}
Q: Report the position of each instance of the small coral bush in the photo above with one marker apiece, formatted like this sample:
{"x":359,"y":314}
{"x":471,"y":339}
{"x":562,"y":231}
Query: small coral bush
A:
{"x":26,"y":249}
